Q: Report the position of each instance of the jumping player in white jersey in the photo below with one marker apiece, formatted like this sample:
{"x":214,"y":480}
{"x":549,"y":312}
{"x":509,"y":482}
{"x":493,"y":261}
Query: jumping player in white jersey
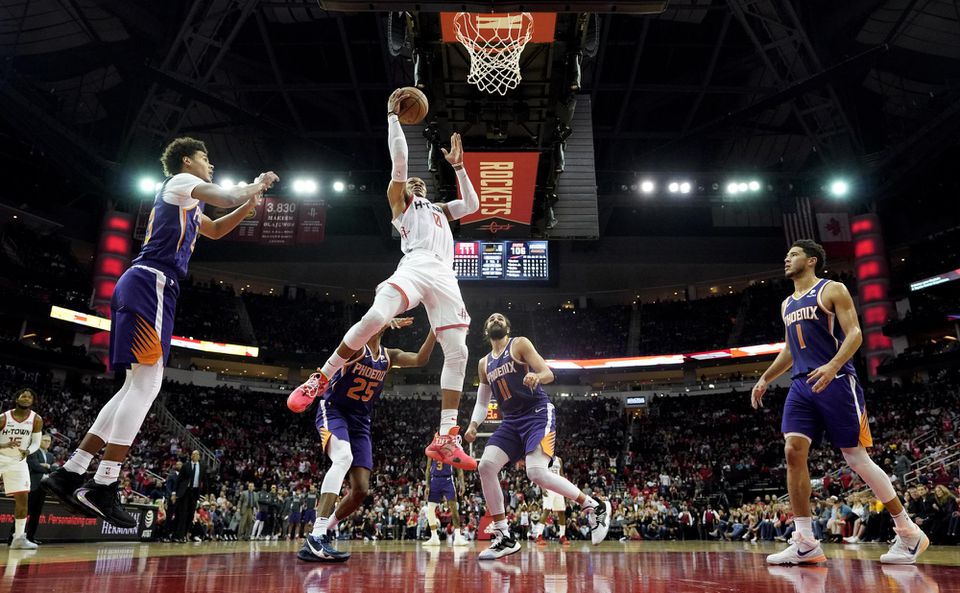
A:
{"x":424,"y":275}
{"x":20,"y":430}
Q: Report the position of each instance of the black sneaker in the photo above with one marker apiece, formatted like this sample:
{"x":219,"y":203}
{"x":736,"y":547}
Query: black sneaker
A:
{"x":502,"y":545}
{"x":104,"y":500}
{"x":61,"y":484}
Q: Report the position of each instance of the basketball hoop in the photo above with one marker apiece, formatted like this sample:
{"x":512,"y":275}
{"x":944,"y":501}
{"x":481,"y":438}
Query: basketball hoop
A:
{"x":494,"y":42}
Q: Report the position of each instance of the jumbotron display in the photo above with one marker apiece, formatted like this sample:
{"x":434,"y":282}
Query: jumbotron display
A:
{"x":502,"y":260}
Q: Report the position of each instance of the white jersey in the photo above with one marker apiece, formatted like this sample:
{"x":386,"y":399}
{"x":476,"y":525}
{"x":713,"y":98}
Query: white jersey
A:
{"x":19,"y":432}
{"x":424,"y":226}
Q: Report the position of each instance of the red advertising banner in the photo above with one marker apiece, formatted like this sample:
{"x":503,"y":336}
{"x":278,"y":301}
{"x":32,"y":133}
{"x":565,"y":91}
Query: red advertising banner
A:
{"x":279,"y":225}
{"x":505,"y":183}
{"x":311,"y":222}
{"x":485,"y":25}
{"x":248,"y":231}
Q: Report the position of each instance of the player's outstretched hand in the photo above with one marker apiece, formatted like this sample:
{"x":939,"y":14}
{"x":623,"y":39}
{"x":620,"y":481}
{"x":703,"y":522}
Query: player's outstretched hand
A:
{"x":398,"y":322}
{"x":756,"y":396}
{"x":455,"y":155}
{"x":471,"y":434}
{"x":396,"y":97}
{"x":266,"y":180}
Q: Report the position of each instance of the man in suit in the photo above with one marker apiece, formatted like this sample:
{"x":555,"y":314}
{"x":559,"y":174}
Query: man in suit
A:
{"x":248,"y":505}
{"x":190,"y":481}
{"x":40,"y":463}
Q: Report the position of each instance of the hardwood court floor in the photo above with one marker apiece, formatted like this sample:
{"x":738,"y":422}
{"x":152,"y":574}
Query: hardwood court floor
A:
{"x":655,"y":567}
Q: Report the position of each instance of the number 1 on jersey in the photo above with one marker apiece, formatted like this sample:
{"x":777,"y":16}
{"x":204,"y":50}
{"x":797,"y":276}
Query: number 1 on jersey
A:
{"x":800,"y":337}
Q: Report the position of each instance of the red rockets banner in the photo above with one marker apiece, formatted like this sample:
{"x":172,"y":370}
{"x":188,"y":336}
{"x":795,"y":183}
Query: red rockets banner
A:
{"x":505,"y":183}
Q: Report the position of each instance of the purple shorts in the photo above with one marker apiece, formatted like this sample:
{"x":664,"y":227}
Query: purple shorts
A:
{"x":522,"y":434}
{"x":839,"y":410}
{"x":141,"y":312}
{"x":294,"y":518}
{"x":309,"y":516}
{"x":350,"y":428}
{"x":441,"y":488}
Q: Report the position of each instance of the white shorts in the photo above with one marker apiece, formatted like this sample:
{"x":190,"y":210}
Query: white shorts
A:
{"x":422,"y":277}
{"x":16,"y":477}
{"x":554,"y":502}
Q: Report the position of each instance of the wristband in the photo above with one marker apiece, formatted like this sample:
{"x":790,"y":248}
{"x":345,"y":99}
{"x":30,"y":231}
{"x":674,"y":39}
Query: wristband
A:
{"x":389,"y":113}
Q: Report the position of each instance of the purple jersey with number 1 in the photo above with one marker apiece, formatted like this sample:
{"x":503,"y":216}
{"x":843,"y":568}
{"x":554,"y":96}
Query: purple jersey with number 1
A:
{"x":814,"y":338}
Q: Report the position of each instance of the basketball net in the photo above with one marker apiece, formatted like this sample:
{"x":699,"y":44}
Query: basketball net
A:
{"x":494,"y":42}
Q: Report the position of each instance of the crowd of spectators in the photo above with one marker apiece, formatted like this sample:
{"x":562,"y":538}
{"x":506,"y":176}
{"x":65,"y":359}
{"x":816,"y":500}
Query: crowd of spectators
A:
{"x":666,"y":326}
{"x":42,"y":268}
{"x":691,"y":466}
{"x":208,"y":311}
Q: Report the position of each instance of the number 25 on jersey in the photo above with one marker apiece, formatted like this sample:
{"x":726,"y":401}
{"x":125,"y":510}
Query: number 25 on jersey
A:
{"x":363,"y":389}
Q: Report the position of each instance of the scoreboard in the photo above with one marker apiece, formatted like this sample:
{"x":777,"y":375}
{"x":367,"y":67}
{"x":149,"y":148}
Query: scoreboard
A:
{"x":502,"y":260}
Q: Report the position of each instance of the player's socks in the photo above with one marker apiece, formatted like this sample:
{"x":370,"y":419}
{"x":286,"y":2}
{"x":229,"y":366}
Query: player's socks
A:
{"x":589,"y":502}
{"x":448,"y":419}
{"x":804,"y":526}
{"x":79,"y":462}
{"x":903,"y":521}
{"x":502,"y":526}
{"x":563,"y":530}
{"x":332,"y":521}
{"x":20,"y":526}
{"x":108,"y":472}
{"x":333,"y":364}
{"x":321,"y":526}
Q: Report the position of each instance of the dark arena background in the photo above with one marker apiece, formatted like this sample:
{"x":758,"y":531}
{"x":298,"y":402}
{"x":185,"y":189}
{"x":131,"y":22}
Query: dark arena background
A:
{"x":643,"y":168}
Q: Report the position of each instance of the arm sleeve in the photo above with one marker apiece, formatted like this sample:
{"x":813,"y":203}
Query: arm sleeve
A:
{"x":469,"y":203}
{"x":34,"y":443}
{"x":398,"y":148}
{"x":483,"y":402}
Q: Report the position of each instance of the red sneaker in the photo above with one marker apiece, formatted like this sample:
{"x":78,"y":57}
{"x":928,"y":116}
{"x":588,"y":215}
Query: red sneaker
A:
{"x":564,"y":541}
{"x":541,"y":541}
{"x":300,"y":398}
{"x":446,"y":449}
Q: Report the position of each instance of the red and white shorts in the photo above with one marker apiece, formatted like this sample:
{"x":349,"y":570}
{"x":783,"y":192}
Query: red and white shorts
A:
{"x":422,"y":277}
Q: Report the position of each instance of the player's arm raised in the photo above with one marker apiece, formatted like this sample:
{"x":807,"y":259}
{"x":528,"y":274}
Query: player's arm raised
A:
{"x":401,"y":359}
{"x":469,"y":201}
{"x":213,"y":194}
{"x":779,"y":366}
{"x":397,"y":143}
{"x":524,"y":352}
{"x":484,"y":393}
{"x":837,"y":295}
{"x":221,"y":227}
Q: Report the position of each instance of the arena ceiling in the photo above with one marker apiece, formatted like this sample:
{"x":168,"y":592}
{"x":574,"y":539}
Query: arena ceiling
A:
{"x":90,"y":90}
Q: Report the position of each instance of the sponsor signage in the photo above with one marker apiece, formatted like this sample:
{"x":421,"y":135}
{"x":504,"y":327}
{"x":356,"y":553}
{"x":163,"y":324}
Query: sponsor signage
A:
{"x":505,"y":183}
{"x":59,"y":524}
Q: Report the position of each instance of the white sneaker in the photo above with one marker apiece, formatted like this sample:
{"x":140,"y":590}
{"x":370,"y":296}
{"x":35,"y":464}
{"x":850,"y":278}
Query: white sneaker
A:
{"x":502,"y":545}
{"x":906,"y":547}
{"x":433,"y":541}
{"x":852,"y":539}
{"x":599,"y":519}
{"x":22,"y":543}
{"x":801,"y":550}
{"x":459,"y":540}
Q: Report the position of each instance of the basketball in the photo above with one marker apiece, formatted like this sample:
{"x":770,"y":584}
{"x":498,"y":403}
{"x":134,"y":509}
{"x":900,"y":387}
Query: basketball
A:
{"x":414,"y":108}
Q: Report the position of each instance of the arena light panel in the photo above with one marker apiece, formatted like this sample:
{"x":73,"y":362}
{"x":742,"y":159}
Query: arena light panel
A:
{"x":665,"y":359}
{"x":935,"y":280}
{"x":103,"y":324}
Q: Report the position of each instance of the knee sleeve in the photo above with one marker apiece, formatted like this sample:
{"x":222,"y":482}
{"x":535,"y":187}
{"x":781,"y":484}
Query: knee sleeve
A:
{"x":489,"y":469}
{"x":145,"y":382}
{"x":102,"y":425}
{"x":453,"y":342}
{"x":538,"y":473}
{"x":341,"y":459}
{"x":870,"y":472}
{"x":386,"y":305}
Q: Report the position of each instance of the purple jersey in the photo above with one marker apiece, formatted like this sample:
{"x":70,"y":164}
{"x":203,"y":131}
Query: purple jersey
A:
{"x":173,"y":227}
{"x":356,"y":387}
{"x":505,"y":376}
{"x":439,"y":470}
{"x":813,"y":333}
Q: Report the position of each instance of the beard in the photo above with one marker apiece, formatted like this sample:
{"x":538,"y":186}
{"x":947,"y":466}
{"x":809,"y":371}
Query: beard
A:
{"x":497,"y":333}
